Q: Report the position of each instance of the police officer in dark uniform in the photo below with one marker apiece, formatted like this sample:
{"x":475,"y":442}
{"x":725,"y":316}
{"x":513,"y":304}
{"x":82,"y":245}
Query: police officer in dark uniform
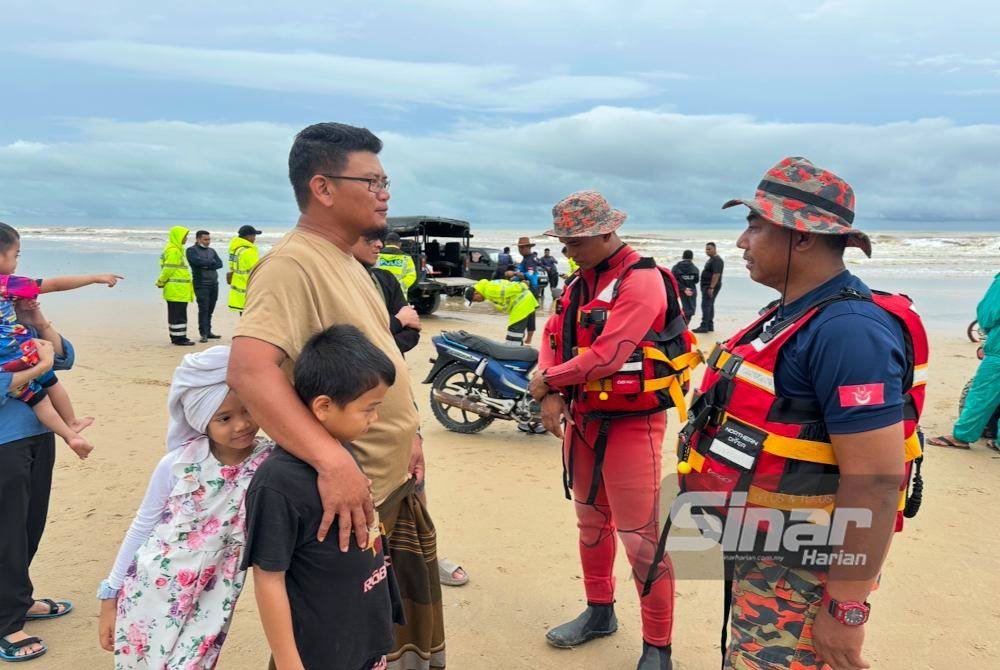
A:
{"x":686,"y":274}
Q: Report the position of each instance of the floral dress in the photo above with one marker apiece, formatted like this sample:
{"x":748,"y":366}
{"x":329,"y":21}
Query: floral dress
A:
{"x":179,"y":594}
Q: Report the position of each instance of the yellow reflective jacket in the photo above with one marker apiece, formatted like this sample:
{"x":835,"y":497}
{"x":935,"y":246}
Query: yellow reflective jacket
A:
{"x":399,"y":264}
{"x":175,"y":275}
{"x":512,"y":297}
{"x":243,"y":256}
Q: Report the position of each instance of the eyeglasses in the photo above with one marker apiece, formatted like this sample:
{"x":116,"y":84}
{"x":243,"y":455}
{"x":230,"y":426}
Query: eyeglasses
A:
{"x":375,"y":184}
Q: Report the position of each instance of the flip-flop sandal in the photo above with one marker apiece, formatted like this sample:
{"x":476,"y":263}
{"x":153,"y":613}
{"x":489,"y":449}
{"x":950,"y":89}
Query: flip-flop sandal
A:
{"x":8,"y":650}
{"x":992,"y":444}
{"x":54,"y":612}
{"x":945,"y":441}
{"x":446,"y":572}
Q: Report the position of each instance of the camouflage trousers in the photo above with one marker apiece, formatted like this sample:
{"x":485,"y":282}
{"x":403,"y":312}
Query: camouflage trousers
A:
{"x":773,"y":608}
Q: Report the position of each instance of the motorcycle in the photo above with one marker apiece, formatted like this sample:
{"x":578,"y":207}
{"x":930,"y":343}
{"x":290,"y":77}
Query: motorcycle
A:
{"x":475,"y":380}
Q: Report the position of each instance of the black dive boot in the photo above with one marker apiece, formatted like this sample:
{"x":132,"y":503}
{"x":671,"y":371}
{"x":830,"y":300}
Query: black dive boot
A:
{"x":596,"y":621}
{"x":654,"y":658}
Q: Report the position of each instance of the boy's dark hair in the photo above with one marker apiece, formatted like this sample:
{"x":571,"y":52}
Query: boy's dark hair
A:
{"x":200,"y":233}
{"x":8,"y":236}
{"x":341,"y":363}
{"x":506,"y":250}
{"x":322,"y":148}
{"x":687,"y":255}
{"x":710,"y":244}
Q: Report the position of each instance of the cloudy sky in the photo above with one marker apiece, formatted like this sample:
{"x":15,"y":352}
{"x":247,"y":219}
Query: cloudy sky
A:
{"x":492,"y":111}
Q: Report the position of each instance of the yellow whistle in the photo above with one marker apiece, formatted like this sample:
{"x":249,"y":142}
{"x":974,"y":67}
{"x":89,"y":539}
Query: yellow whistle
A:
{"x":684,"y":467}
{"x":603,"y":395}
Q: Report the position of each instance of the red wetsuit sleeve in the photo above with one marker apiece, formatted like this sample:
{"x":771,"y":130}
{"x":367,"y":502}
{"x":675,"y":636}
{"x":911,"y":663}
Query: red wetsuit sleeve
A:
{"x":640,"y":305}
{"x":546,"y":356}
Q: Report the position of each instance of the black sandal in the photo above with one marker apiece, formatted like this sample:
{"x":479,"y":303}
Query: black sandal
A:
{"x":53,"y":612}
{"x":8,"y":649}
{"x":946,"y":441}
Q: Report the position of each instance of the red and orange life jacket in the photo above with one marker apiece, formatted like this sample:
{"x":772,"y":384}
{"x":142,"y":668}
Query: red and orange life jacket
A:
{"x":654,"y":377}
{"x":743,"y":437}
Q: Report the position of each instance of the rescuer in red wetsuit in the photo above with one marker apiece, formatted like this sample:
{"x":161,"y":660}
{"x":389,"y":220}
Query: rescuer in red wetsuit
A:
{"x":613,"y":358}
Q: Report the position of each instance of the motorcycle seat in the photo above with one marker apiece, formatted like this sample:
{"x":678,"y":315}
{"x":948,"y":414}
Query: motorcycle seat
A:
{"x":493,"y":349}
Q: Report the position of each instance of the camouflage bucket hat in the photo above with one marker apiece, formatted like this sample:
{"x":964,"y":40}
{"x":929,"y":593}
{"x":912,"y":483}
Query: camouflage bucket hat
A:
{"x":798,"y":195}
{"x":584,"y":214}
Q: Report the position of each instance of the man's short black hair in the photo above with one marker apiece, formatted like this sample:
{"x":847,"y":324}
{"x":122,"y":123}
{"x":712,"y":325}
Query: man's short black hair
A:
{"x":342,"y":364}
{"x":710,"y":244}
{"x":687,"y":255}
{"x":8,"y":236}
{"x":201,"y":233}
{"x":506,"y":250}
{"x":322,"y":148}
{"x":836,"y":242}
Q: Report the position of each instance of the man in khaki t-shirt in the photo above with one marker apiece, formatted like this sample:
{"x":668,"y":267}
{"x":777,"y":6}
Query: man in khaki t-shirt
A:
{"x":309,"y":282}
{"x":305,"y":285}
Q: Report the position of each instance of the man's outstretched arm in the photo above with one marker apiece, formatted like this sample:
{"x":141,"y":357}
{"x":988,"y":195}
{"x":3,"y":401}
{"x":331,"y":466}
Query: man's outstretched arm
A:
{"x":256,"y":376}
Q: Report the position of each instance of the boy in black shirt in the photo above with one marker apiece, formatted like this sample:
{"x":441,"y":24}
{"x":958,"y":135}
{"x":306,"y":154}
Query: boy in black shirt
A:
{"x":322,"y":609}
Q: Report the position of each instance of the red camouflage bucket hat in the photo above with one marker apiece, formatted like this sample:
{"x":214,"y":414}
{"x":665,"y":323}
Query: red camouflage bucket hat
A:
{"x":798,"y":195}
{"x":584,"y":214}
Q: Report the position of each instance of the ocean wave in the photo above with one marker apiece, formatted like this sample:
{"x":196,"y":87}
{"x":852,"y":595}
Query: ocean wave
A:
{"x":931,"y":254}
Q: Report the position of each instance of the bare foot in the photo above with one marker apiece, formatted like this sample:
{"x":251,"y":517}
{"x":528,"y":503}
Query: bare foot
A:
{"x":77,"y":425}
{"x":81,"y":446}
{"x":23,"y":651}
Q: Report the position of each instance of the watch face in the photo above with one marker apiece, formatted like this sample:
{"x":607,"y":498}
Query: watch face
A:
{"x":854,"y":616}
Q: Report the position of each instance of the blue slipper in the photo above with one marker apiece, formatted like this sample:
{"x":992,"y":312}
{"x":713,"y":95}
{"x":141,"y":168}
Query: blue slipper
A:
{"x":53,"y":612}
{"x":8,"y":650}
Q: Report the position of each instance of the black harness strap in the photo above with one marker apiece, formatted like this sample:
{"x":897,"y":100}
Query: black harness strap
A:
{"x":600,"y":448}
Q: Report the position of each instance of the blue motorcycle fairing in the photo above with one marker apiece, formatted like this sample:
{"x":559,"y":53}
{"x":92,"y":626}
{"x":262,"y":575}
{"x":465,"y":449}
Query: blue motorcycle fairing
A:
{"x":509,"y":379}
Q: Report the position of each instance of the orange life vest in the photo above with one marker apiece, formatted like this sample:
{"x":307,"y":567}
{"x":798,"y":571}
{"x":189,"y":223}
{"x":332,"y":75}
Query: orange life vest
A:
{"x":742,"y":437}
{"x":654,"y":377}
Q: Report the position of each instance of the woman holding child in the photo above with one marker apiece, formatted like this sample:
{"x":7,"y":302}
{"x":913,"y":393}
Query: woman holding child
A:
{"x":33,"y":406}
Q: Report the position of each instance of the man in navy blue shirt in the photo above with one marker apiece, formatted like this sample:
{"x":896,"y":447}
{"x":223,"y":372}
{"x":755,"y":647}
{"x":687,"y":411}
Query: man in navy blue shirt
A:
{"x":848,"y":363}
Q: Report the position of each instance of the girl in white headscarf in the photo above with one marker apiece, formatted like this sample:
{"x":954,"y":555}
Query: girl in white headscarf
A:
{"x":170,"y":597}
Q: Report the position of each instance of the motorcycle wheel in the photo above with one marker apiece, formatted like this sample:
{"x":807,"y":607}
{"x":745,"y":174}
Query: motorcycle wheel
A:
{"x":456,"y":379}
{"x":973,"y":332}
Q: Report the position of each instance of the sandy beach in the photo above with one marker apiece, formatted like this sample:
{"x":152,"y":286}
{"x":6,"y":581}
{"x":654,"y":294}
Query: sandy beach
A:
{"x":497,"y":500}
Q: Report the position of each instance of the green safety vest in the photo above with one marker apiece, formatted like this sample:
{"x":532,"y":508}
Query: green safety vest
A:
{"x":400,"y":265}
{"x":243,"y":256}
{"x":175,"y":275}
{"x":512,"y":297}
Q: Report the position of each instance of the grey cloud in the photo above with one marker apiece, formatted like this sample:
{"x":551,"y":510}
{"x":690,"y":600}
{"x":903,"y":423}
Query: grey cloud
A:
{"x":662,"y":168}
{"x":491,"y":87}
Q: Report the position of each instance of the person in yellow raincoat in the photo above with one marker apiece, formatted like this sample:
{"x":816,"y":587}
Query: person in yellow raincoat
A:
{"x":512,"y":297}
{"x":393,"y":259}
{"x":243,"y":256}
{"x":178,"y":290}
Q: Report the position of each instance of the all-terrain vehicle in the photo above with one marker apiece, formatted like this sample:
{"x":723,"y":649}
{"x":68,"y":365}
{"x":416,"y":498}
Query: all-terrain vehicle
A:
{"x":439,"y":247}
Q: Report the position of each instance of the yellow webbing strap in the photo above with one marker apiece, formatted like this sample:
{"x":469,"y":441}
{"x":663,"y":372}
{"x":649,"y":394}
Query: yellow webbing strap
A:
{"x":809,"y":450}
{"x":788,"y":501}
